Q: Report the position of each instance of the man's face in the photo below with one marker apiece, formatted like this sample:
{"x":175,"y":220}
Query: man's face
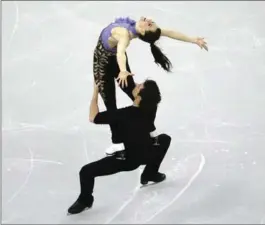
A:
{"x":137,"y":89}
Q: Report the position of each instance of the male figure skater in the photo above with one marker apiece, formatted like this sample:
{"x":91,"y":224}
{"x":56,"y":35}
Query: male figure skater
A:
{"x":139,"y":145}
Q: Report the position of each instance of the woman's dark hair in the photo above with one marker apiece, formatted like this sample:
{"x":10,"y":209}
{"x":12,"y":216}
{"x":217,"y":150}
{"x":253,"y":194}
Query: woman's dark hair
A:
{"x":160,"y":58}
{"x":150,"y":96}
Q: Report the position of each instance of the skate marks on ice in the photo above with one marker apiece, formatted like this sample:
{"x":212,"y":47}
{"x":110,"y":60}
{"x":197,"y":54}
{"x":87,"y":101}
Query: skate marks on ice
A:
{"x":148,"y":202}
{"x":127,"y":202}
{"x":16,"y":23}
{"x":17,"y":192}
{"x":176,"y":197}
{"x":31,"y":161}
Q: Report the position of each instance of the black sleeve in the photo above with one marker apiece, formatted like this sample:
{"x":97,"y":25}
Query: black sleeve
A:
{"x":151,"y":120}
{"x":109,"y":117}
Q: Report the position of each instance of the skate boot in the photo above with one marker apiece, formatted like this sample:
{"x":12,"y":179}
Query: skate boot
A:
{"x":156,"y":178}
{"x":79,"y":206}
{"x":116,"y":150}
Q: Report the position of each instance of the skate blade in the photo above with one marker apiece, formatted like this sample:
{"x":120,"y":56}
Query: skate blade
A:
{"x":151,"y":183}
{"x":71,"y":214}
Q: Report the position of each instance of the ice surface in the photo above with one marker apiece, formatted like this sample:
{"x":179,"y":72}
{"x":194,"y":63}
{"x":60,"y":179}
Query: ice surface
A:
{"x":213,"y":107}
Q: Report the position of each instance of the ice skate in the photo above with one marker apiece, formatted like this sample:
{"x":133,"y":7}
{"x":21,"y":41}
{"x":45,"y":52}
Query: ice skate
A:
{"x":79,"y":206}
{"x":115,"y":149}
{"x":158,"y":177}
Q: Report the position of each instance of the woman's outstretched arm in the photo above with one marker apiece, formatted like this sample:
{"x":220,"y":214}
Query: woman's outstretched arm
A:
{"x":182,"y":37}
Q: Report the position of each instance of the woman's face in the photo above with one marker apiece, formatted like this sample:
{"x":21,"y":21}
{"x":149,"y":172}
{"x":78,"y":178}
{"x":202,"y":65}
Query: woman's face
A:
{"x":147,"y":24}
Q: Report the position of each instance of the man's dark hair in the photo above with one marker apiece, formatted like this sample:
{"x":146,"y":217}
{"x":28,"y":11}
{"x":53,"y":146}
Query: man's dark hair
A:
{"x":150,"y":96}
{"x":160,"y":58}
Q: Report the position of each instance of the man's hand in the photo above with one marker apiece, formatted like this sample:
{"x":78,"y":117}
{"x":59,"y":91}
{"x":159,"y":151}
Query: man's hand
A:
{"x":96,"y":88}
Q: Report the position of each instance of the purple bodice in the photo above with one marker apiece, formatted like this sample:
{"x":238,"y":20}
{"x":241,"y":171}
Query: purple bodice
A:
{"x":127,"y":23}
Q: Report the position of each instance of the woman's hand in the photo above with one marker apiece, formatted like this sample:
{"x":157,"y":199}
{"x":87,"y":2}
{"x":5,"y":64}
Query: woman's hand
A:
{"x":201,"y":43}
{"x":122,"y":78}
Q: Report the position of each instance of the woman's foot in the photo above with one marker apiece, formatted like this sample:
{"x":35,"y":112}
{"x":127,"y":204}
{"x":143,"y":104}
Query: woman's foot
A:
{"x":114,"y":148}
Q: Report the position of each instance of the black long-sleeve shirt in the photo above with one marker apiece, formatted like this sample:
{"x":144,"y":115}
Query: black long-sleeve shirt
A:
{"x":135,"y":126}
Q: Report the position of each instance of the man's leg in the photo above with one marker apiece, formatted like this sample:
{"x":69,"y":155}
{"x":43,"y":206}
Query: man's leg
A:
{"x":87,"y":175}
{"x":151,"y":169}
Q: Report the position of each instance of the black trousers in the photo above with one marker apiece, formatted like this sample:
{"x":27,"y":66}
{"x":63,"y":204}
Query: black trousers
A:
{"x":106,"y":69}
{"x":111,"y":165}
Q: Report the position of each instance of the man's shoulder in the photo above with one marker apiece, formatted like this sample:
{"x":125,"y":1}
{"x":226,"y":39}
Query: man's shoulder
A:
{"x":128,"y":111}
{"x":126,"y":108}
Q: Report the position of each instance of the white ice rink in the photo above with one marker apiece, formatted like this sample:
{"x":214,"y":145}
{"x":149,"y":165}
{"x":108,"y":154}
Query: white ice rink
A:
{"x":213,"y":107}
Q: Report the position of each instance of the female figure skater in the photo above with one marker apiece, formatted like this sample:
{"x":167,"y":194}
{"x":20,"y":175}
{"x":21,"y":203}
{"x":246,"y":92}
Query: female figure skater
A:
{"x":111,"y":62}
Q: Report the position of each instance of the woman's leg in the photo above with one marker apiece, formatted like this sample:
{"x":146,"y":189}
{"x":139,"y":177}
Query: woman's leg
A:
{"x":102,"y":63}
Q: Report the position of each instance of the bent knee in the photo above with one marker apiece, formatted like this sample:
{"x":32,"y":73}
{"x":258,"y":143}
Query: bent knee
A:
{"x":82,"y":171}
{"x":165,"y":137}
{"x":85,"y":171}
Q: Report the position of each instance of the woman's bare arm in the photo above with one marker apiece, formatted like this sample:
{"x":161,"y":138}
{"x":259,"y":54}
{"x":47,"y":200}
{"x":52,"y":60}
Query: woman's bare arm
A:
{"x":182,"y":37}
{"x":177,"y":36}
{"x":123,"y":39}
